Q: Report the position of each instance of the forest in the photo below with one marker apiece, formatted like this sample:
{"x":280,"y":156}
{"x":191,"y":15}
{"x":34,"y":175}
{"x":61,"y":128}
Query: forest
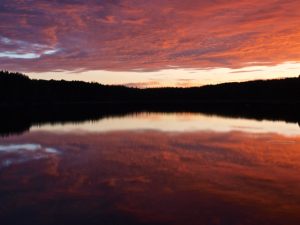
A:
{"x":25,"y":102}
{"x":18,"y":89}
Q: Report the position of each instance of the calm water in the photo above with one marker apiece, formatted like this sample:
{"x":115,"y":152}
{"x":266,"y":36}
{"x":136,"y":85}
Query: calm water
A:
{"x":152,"y":168}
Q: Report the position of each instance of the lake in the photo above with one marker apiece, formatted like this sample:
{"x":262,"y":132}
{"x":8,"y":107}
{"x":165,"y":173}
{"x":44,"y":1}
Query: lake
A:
{"x":152,"y":168}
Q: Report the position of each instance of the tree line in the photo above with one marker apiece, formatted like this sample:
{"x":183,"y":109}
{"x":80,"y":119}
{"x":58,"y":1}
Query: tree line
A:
{"x":16,"y":88}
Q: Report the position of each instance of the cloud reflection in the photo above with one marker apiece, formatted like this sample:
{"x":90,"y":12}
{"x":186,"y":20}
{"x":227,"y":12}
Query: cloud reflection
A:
{"x":20,"y":153}
{"x":151,"y":177}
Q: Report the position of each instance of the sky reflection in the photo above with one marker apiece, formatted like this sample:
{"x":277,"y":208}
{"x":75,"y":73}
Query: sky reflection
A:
{"x":179,"y":122}
{"x":153,"y":177}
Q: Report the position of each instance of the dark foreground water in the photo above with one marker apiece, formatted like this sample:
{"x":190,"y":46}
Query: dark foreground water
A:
{"x":152,"y":168}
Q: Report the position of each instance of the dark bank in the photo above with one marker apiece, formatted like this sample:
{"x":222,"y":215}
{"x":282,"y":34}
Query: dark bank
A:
{"x":18,"y":89}
{"x":26,"y":102}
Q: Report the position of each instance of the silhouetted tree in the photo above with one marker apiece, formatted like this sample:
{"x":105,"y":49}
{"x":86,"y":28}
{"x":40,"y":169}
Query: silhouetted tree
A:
{"x":16,"y":88}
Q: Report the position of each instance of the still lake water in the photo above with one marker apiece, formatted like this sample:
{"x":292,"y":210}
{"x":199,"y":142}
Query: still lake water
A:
{"x":152,"y":168}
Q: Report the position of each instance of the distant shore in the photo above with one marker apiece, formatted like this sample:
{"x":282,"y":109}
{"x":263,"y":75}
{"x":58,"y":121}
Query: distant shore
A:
{"x":24,"y":102}
{"x":18,"y":89}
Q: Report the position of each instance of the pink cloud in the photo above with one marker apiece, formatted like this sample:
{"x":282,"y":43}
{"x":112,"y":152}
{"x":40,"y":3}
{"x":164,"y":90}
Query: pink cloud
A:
{"x":148,"y":35}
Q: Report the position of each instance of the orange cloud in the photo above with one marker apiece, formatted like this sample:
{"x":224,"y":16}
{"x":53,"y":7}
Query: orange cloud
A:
{"x":147,"y":35}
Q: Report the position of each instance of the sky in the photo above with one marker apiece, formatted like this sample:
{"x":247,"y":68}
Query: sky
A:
{"x":142,"y":43}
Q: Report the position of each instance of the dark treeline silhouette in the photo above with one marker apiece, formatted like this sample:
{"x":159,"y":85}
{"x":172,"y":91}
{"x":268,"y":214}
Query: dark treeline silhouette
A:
{"x":25,"y":102}
{"x":16,"y":88}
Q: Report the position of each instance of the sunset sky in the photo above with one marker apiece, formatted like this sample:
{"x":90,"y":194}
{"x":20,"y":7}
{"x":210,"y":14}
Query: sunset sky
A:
{"x":143,"y":43}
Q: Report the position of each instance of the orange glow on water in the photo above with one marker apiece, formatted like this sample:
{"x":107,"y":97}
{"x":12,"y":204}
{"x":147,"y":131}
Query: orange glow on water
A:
{"x":157,"y":177}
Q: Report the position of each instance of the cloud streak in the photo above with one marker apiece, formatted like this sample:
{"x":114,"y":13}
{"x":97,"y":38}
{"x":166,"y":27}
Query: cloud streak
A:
{"x":123,"y":35}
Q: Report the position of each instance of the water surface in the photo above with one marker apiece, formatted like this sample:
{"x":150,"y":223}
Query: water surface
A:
{"x":152,"y":168}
